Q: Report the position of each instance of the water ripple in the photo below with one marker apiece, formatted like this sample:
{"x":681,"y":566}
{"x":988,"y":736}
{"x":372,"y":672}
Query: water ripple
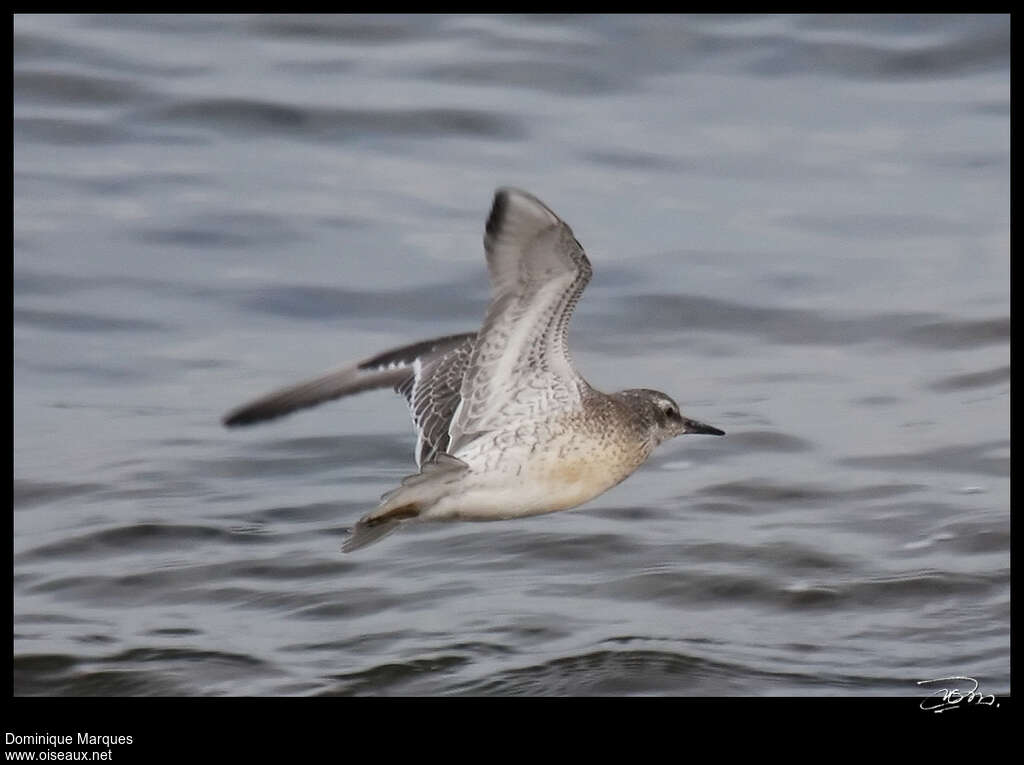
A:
{"x":241,"y":117}
{"x":810,"y":327}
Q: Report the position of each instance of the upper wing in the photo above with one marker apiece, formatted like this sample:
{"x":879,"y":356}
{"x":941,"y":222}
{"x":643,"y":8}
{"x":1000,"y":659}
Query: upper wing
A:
{"x":520,"y":365}
{"x":391,"y":369}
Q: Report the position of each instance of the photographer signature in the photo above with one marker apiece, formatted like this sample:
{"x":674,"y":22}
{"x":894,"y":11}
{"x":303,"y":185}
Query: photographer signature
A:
{"x":952,"y":696}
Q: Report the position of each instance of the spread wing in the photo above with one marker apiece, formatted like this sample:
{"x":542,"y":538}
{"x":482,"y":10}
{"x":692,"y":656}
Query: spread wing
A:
{"x":428,"y":374}
{"x":520,"y":366}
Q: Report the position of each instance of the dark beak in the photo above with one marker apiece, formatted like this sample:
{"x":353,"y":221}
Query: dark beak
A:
{"x":692,"y":426}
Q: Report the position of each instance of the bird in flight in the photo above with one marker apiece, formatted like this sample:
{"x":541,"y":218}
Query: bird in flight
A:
{"x":505,"y":425}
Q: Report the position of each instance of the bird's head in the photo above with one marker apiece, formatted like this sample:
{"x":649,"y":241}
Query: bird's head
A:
{"x":661,"y":415}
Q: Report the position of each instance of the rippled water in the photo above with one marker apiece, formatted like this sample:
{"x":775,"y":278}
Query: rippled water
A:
{"x":799,"y":228}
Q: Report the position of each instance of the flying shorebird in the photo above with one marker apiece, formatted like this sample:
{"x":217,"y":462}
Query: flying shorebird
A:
{"x":506,"y":427}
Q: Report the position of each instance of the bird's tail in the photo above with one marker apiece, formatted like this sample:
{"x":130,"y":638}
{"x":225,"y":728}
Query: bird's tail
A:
{"x":363,"y":534}
{"x":417,"y":493}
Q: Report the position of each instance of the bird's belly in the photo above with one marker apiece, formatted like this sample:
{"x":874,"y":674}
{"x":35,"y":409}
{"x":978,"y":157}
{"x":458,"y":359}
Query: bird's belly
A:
{"x":530,"y":489}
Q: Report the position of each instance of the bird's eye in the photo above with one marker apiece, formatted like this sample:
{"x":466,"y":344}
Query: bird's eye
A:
{"x":670,"y":411}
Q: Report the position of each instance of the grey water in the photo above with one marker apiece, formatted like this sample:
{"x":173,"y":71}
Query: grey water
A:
{"x":799,"y":228}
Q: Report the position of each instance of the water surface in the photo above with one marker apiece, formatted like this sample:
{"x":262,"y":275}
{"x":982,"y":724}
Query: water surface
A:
{"x":799,"y":228}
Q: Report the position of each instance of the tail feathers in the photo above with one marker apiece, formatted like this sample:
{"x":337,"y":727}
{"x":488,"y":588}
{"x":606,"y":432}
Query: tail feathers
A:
{"x":417,"y":492}
{"x":366,"y":533}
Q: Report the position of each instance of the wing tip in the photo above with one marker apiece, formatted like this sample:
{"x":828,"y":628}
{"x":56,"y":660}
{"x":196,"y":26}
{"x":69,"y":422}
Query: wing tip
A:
{"x":508,"y":198}
{"x":231,"y":420}
{"x":246,"y":415}
{"x":499,"y":211}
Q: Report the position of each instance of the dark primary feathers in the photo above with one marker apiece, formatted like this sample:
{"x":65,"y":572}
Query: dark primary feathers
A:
{"x":443,"y":359}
